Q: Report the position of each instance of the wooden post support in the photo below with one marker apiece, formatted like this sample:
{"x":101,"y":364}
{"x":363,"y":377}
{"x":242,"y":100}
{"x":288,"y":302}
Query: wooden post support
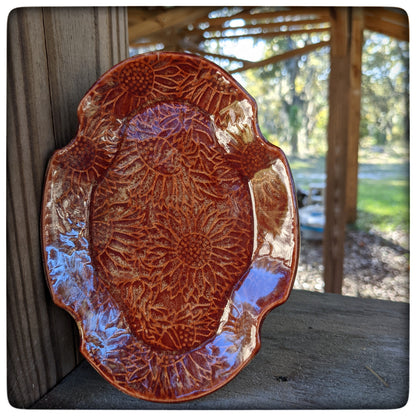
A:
{"x":54,"y":56}
{"x":357,"y":25}
{"x":337,"y":156}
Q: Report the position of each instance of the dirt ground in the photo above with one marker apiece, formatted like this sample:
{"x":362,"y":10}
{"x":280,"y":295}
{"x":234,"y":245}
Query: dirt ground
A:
{"x":375,"y":266}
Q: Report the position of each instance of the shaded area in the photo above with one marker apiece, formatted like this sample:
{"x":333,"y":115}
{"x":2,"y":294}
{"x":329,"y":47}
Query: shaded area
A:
{"x":374,"y":266}
{"x":376,"y":261}
{"x":318,"y":351}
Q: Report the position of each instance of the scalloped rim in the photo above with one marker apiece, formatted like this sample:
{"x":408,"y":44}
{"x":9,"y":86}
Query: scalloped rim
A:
{"x":275,"y":286}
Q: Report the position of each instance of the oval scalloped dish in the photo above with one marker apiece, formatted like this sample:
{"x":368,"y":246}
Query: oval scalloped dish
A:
{"x":169,"y":227}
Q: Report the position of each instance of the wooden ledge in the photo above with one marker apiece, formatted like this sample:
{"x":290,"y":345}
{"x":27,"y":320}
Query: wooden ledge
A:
{"x":319,"y":351}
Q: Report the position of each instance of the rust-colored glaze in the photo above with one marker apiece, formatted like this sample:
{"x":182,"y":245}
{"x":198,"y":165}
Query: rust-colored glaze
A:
{"x":169,"y":227}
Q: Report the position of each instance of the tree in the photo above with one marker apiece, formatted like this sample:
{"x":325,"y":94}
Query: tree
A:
{"x":385,"y":90}
{"x":292,"y":96}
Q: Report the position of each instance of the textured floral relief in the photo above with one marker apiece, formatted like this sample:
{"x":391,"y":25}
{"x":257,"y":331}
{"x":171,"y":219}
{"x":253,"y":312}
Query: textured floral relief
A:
{"x":145,"y":222}
{"x":169,"y":227}
{"x":133,"y":84}
{"x":197,"y":254}
{"x":172,"y":141}
{"x":272,"y":195}
{"x":87,"y":157}
{"x":137,"y":79}
{"x":210,"y":90}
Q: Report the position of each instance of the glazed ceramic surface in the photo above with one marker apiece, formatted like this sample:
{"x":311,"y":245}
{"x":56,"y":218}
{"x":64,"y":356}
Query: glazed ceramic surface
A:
{"x":169,"y":227}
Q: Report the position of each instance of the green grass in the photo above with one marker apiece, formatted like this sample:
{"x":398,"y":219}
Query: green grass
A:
{"x":383,"y":204}
{"x":383,"y":188}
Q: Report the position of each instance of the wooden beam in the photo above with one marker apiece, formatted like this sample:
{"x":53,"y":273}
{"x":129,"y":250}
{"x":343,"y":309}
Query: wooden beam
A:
{"x":336,"y":159}
{"x":54,"y":56}
{"x":396,"y":16}
{"x":263,"y":26}
{"x":175,"y":16}
{"x":294,"y":11}
{"x":281,"y":57}
{"x":386,"y":28}
{"x":145,"y":44}
{"x":223,"y":19}
{"x":248,"y":16}
{"x":271,"y":34}
{"x":138,"y":14}
{"x":354,"y":113}
{"x":216,"y":55}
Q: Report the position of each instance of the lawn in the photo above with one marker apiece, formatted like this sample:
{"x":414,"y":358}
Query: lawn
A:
{"x":383,"y":187}
{"x":383,"y":204}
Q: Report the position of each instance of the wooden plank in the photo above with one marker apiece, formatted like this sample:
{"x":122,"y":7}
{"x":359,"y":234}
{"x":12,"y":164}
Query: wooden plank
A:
{"x":247,"y":15}
{"x":53,"y":57}
{"x":30,"y":142}
{"x":271,"y":34}
{"x":397,"y":16}
{"x":114,"y":42}
{"x":354,"y":114}
{"x":263,"y":26}
{"x":281,"y":57}
{"x":319,"y":351}
{"x":336,"y":158}
{"x":387,"y":28}
{"x":166,"y":19}
{"x":90,"y":38}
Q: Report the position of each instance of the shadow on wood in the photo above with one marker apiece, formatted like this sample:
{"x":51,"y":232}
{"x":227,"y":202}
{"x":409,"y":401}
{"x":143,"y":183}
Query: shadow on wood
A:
{"x":319,"y":351}
{"x":54,"y":55}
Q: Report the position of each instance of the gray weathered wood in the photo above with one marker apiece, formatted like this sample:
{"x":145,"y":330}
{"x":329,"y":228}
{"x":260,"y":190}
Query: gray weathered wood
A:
{"x":318,"y":351}
{"x":54,"y":55}
{"x":82,"y":43}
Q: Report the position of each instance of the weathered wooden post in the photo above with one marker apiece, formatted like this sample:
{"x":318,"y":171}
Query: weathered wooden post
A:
{"x":54,"y":56}
{"x":342,"y":141}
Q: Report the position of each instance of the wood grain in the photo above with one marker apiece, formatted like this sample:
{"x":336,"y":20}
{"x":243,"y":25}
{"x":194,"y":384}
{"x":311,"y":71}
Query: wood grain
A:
{"x":164,"y":20}
{"x":393,"y":22}
{"x":336,"y":159}
{"x":54,"y":55}
{"x":354,"y":113}
{"x":317,"y":352}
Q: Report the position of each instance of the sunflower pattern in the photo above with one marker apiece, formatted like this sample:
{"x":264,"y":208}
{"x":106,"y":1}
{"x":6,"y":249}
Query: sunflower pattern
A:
{"x":158,"y":229}
{"x":170,"y":154}
{"x":88,"y":156}
{"x":197,"y":255}
{"x":166,"y":228}
{"x":129,"y":86}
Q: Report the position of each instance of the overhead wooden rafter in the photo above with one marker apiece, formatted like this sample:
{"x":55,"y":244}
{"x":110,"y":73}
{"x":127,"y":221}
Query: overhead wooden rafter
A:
{"x":153,"y":22}
{"x":173,"y":29}
{"x":269,"y":34}
{"x":265,"y":26}
{"x":390,"y":22}
{"x":285,"y":55}
{"x":187,"y":28}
